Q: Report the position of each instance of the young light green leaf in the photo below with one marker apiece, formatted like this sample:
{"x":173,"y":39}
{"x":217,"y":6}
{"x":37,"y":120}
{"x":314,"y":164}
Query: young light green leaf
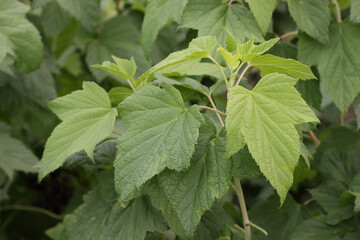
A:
{"x":162,"y":134}
{"x":231,"y":60}
{"x":339,"y":64}
{"x":157,"y":15}
{"x":312,"y":17}
{"x":87,"y":120}
{"x":215,"y":18}
{"x":272,"y":64}
{"x":123,"y":68}
{"x":193,"y":192}
{"x":198,"y":48}
{"x":262,"y":10}
{"x":86,"y":11}
{"x":15,"y":156}
{"x":355,"y":11}
{"x":19,"y":37}
{"x":248,"y":51}
{"x":265,"y":119}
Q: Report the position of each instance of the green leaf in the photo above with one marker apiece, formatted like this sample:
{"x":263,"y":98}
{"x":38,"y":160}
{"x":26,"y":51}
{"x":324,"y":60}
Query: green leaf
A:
{"x":118,"y":94}
{"x":86,"y":11}
{"x":263,"y":12}
{"x":310,"y":92}
{"x":101,"y":217}
{"x":309,"y":49}
{"x":312,"y":17}
{"x":355,"y":190}
{"x":184,"y":82}
{"x":19,"y":37}
{"x":341,"y":166}
{"x":118,"y":37}
{"x":157,"y":15}
{"x":29,"y":95}
{"x":244,"y":166}
{"x":14,"y":156}
{"x":198,"y":48}
{"x":274,"y":107}
{"x":328,"y":195}
{"x":338,"y":63}
{"x":54,"y":19}
{"x":355,"y":11}
{"x":192,"y":68}
{"x":214,"y":17}
{"x":288,"y":217}
{"x":193,"y":192}
{"x":123,"y":68}
{"x":248,"y":51}
{"x":316,"y":229}
{"x":162,"y":134}
{"x":87,"y":120}
{"x":271,"y":64}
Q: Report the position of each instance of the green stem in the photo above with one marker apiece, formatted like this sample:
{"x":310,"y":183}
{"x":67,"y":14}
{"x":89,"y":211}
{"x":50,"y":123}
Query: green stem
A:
{"x":259,"y":228}
{"x":342,"y":119}
{"x":240,"y":195}
{"x":214,"y":106}
{"x":222,"y":72}
{"x":242,"y":74}
{"x":236,"y":73}
{"x":31,"y":209}
{"x":337,"y":10}
{"x":131,"y":83}
{"x":213,"y":109}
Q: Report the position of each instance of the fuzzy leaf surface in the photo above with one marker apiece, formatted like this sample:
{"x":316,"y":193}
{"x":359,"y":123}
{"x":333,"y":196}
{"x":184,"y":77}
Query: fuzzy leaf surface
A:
{"x":88,"y":118}
{"x":192,"y":192}
{"x":162,"y":134}
{"x":265,"y":119}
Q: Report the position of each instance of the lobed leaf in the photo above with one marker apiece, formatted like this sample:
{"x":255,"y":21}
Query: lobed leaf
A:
{"x":162,"y":134}
{"x":264,"y":118}
{"x":87,"y":120}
